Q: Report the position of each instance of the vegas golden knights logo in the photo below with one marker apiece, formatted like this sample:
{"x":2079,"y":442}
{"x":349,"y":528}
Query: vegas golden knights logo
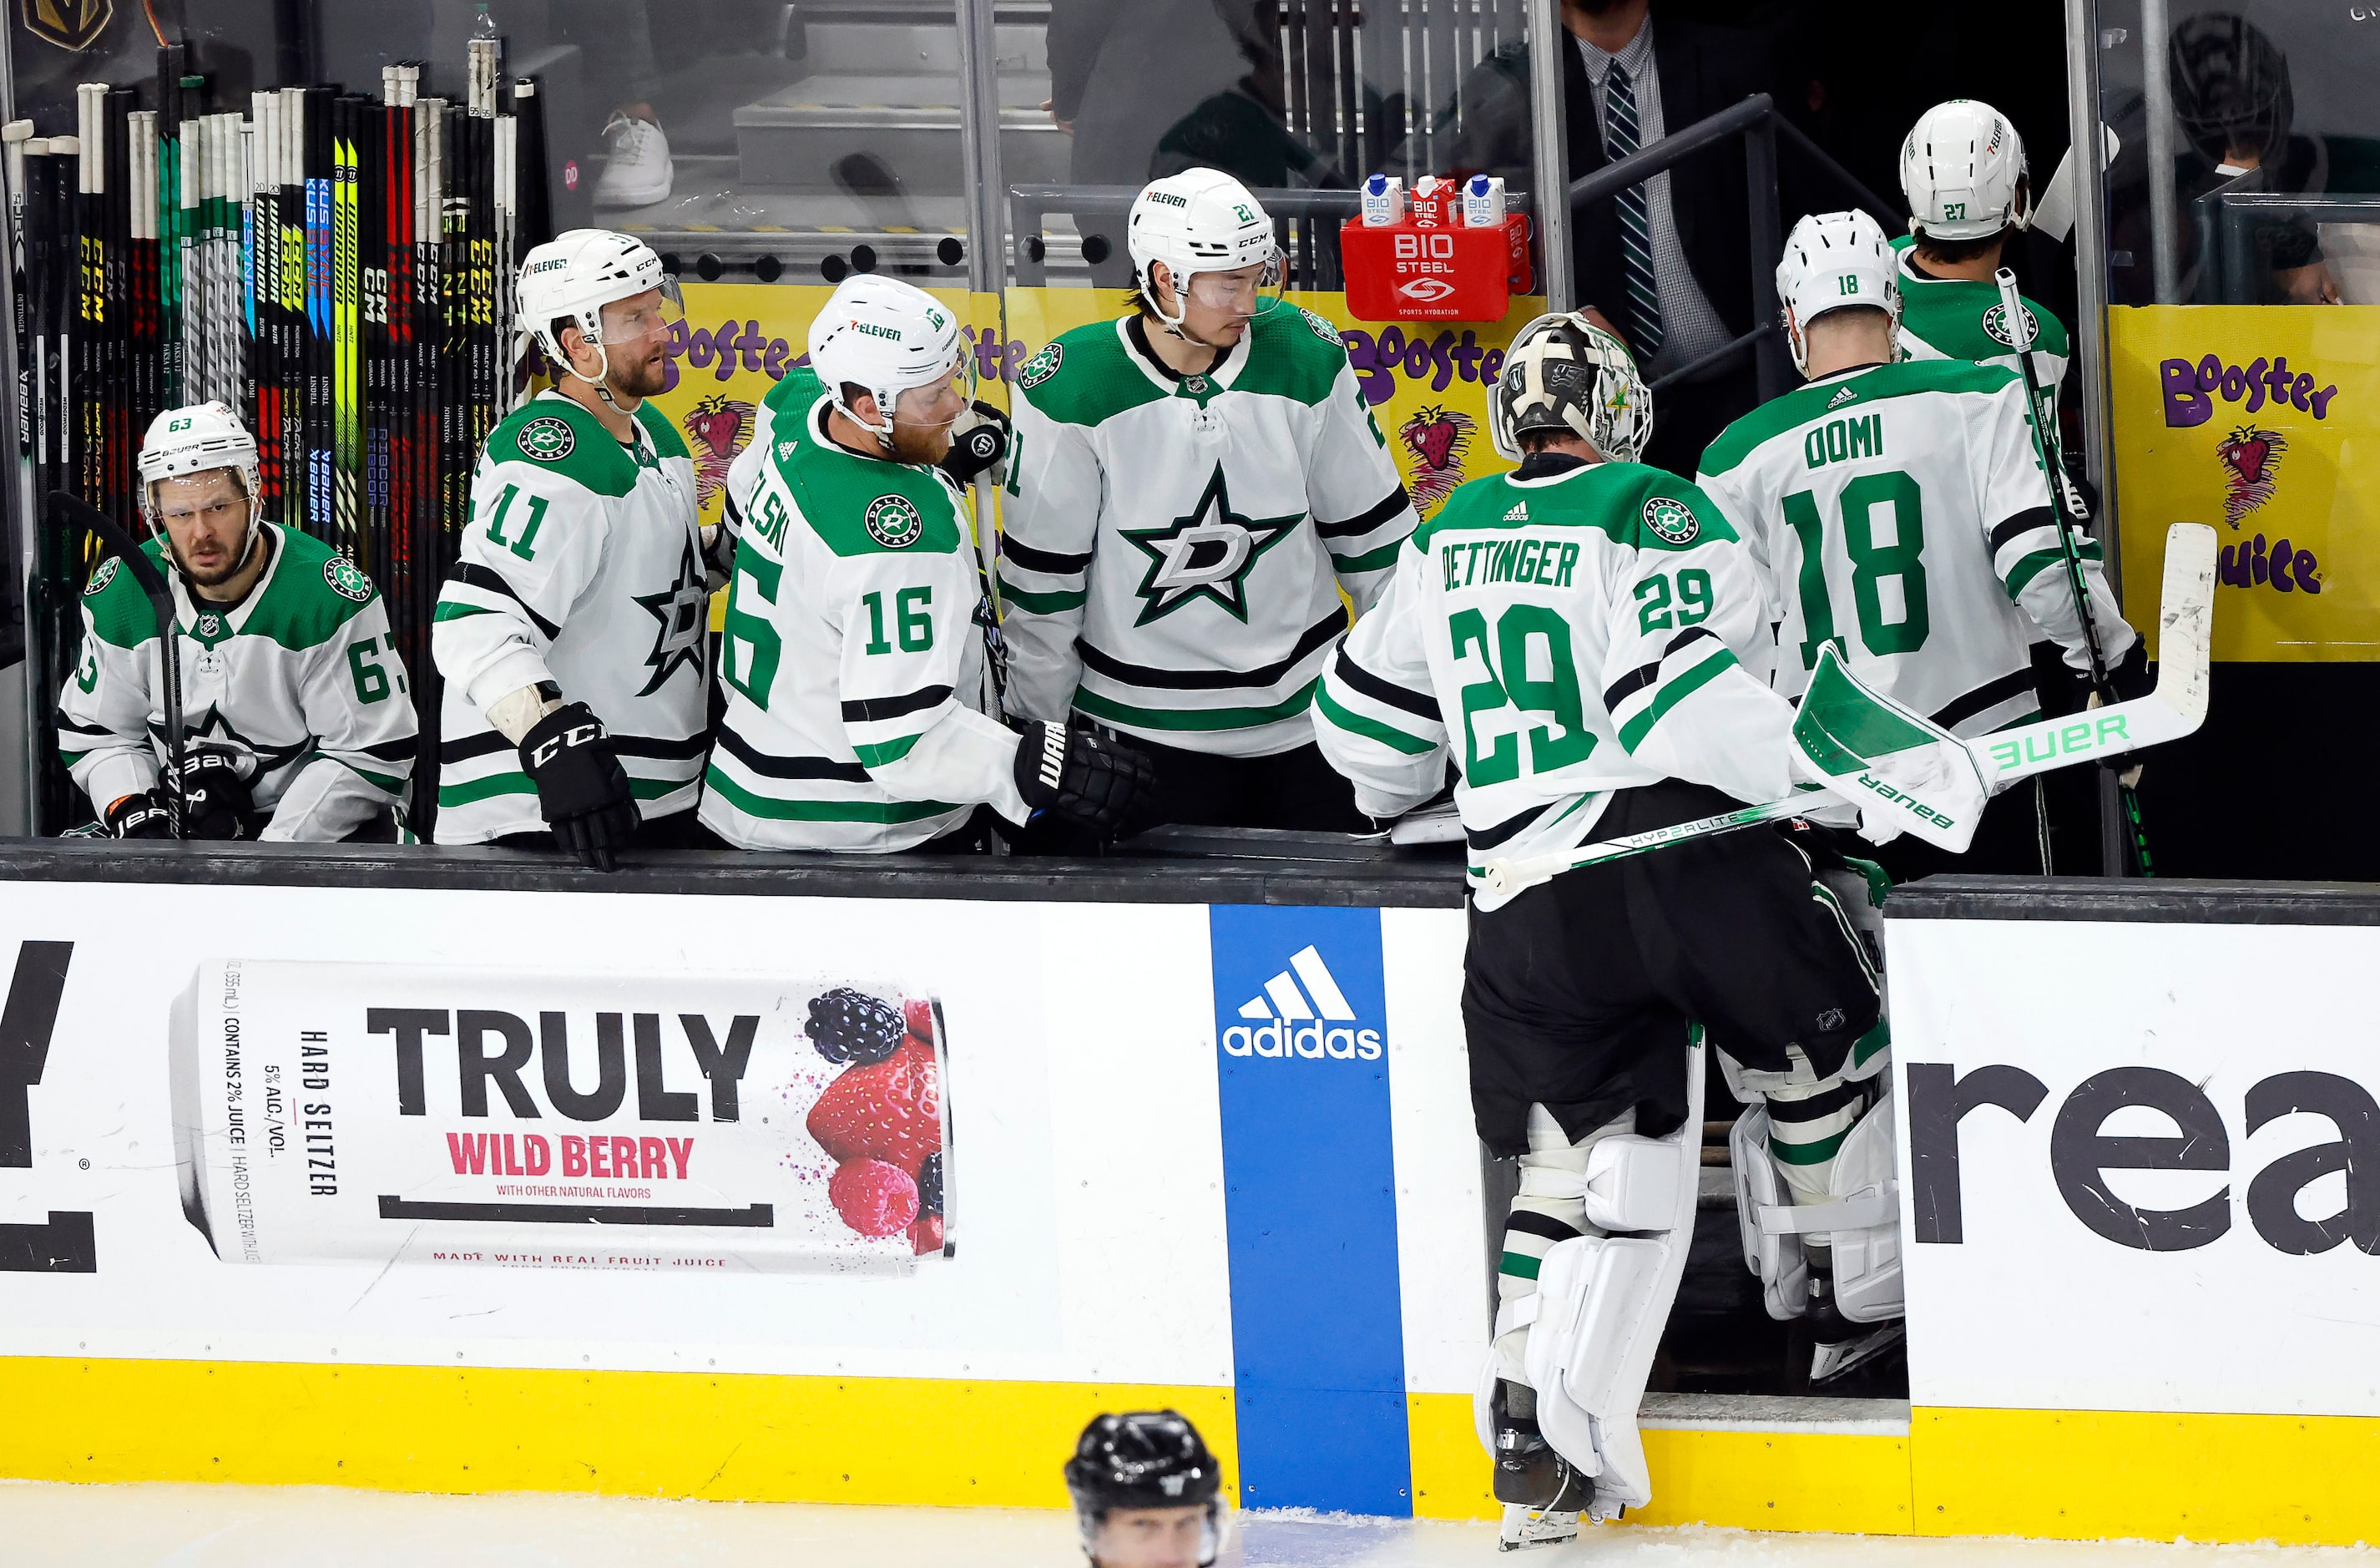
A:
{"x":69,"y":24}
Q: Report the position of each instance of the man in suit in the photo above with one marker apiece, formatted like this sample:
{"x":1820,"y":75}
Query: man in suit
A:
{"x":1665,"y":265}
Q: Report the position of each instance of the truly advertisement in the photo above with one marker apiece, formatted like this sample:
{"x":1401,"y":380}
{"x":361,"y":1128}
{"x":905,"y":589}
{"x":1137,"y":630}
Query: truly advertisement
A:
{"x":390,"y":1112}
{"x":2132,"y":1181}
{"x":2255,"y":421}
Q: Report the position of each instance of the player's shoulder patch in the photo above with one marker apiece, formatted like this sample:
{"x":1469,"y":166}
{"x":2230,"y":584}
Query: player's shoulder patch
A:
{"x":1672,"y":520}
{"x":346,"y":580}
{"x":101,"y":577}
{"x":547,"y":439}
{"x":1322,"y":329}
{"x":1042,"y":366}
{"x":893,"y":521}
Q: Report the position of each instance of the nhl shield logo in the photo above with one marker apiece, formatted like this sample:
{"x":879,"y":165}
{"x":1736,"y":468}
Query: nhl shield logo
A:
{"x":893,"y":521}
{"x":345,"y":581}
{"x":1672,"y":521}
{"x":209,"y":625}
{"x":69,"y":24}
{"x":547,"y":439}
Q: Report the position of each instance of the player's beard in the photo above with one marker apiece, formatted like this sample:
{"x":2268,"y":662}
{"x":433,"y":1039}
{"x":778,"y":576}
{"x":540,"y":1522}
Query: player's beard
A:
{"x":920,"y":444}
{"x":230,"y":561}
{"x":642,"y":376}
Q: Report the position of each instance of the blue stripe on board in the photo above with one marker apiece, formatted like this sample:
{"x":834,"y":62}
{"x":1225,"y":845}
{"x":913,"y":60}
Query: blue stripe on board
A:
{"x":1318,"y":1335}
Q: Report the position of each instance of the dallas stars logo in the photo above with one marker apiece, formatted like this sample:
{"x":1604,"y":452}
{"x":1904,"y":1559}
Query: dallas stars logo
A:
{"x":213,"y":732}
{"x":680,"y":608}
{"x":547,"y":439}
{"x":1207,"y":554}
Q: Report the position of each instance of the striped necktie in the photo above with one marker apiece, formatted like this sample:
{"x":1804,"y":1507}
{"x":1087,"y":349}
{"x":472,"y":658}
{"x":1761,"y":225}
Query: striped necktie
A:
{"x":1635,"y":222}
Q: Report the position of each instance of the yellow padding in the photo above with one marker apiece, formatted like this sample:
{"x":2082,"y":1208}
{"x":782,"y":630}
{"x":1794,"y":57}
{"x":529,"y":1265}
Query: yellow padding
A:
{"x":1855,"y":1483}
{"x":2089,"y":1475}
{"x":1450,"y":1474}
{"x":495,"y":1430}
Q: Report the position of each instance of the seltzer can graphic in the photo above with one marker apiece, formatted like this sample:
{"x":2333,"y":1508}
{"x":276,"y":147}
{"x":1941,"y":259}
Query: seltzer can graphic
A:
{"x":399,"y":1114}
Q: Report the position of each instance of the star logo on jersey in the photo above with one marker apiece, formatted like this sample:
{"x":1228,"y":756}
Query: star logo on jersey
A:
{"x":1672,"y":521}
{"x":1845,"y":396}
{"x":680,"y":608}
{"x":893,"y":521}
{"x":1995,"y":325}
{"x":346,"y":581}
{"x":213,"y":727}
{"x":1207,"y":554}
{"x":547,"y":439}
{"x":100,"y":578}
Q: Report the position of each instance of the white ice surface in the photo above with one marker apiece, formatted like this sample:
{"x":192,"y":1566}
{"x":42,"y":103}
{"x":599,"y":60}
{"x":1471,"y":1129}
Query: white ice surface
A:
{"x":46,"y":1526}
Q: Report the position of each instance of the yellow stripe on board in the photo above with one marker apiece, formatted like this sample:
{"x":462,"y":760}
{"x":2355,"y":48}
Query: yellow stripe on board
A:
{"x":495,"y":1430}
{"x":2088,"y":1475}
{"x":1845,"y":1482}
{"x":1450,"y":1476}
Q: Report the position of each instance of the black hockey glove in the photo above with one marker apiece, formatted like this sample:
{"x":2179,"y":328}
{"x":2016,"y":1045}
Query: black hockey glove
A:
{"x":581,"y":791}
{"x":216,"y":800}
{"x":139,"y":816}
{"x":2128,"y":678}
{"x":978,"y":442}
{"x":1081,"y":776}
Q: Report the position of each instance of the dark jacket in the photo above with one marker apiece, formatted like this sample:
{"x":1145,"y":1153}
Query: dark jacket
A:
{"x":1703,"y":69}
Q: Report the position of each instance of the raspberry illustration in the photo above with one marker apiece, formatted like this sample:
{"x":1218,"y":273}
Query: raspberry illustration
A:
{"x":890,"y":1109}
{"x":874,"y":1199}
{"x":851,"y":1026}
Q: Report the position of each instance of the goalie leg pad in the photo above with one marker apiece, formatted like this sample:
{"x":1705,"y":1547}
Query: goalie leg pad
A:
{"x":1776,"y":1257}
{"x":1601,"y":1302}
{"x":1865,"y":1181}
{"x":1551,"y":1206}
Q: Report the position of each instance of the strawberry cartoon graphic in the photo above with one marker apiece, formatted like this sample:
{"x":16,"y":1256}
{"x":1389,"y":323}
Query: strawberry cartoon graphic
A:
{"x":2249,"y":457}
{"x":718,"y":426}
{"x":1439,"y":442}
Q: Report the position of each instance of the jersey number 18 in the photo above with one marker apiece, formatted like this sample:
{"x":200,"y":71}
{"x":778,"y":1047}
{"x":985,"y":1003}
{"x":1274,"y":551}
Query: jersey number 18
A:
{"x":1899,"y":562}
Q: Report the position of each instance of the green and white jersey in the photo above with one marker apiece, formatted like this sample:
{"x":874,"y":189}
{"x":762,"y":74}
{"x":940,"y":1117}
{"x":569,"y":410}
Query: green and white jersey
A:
{"x":299,"y":682}
{"x":853,"y":660}
{"x":789,"y":400}
{"x":582,"y":565}
{"x":1901,"y":514}
{"x":1176,"y":546}
{"x":1591,"y":629}
{"x":1960,"y":319}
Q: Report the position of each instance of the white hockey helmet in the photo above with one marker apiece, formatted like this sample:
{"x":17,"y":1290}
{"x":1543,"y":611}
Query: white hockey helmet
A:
{"x":1564,"y":373}
{"x":571,"y":277}
{"x":885,"y":337}
{"x":1833,"y":261}
{"x":185,"y":443}
{"x":1962,"y":171}
{"x":1200,"y":221}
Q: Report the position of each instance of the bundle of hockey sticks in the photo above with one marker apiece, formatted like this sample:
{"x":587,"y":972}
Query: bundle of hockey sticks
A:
{"x":334,"y":267}
{"x":1899,"y":768}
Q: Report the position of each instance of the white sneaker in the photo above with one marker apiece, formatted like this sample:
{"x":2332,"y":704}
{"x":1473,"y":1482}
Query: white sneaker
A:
{"x":637,"y":172}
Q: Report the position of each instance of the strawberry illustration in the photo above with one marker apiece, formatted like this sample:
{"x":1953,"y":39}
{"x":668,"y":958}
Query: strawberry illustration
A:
{"x":716,"y":422}
{"x":2249,"y":458}
{"x":874,"y":1199}
{"x":1433,"y":442}
{"x":888,"y":1111}
{"x":919,"y":1015}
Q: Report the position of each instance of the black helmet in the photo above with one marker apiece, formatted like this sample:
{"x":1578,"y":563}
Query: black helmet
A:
{"x":2230,"y":86}
{"x":1144,"y":1459}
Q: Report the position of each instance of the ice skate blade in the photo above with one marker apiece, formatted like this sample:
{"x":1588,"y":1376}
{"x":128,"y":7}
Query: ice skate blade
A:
{"x":1526,"y":1526}
{"x":1831,"y":1361}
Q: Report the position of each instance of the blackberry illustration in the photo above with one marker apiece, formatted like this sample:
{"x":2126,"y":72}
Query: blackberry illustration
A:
{"x":930,"y":1184}
{"x":849,"y":1026}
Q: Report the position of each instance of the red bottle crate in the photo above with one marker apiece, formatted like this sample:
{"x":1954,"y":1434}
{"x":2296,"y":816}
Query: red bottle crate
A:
{"x":1435,"y":272}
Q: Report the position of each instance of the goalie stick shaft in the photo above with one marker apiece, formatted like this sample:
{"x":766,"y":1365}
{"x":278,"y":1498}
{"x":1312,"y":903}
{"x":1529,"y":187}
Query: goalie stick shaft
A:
{"x":2062,"y":505}
{"x":2175,"y":709}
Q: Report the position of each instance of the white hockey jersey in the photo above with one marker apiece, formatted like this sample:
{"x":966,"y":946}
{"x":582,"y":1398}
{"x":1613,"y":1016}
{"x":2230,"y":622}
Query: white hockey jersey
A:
{"x":1564,"y":636}
{"x":299,"y":682}
{"x":1174,"y":546}
{"x":852,"y":658}
{"x":582,"y":565}
{"x":1901,"y":514}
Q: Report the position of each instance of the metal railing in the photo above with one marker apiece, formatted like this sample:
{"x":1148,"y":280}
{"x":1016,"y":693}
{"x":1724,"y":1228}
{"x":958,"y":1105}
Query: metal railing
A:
{"x":1756,"y":120}
{"x":2235,"y":269}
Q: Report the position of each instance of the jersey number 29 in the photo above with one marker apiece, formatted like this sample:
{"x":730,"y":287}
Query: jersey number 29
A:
{"x":1567,"y":739}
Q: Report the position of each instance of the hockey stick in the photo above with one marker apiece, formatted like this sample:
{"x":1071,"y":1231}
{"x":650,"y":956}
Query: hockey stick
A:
{"x":2066,"y":503}
{"x":67,"y":511}
{"x":2175,"y":709}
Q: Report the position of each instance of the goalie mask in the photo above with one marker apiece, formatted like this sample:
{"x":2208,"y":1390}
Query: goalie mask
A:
{"x":1962,"y":171}
{"x":1834,"y":262}
{"x":571,"y":279}
{"x":1564,"y":373}
{"x":184,"y":443}
{"x":1201,"y":223}
{"x":1153,"y":1466}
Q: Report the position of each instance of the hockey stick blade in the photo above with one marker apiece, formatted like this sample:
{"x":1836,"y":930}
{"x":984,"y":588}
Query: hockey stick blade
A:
{"x":2185,"y":623}
{"x":2185,"y":634}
